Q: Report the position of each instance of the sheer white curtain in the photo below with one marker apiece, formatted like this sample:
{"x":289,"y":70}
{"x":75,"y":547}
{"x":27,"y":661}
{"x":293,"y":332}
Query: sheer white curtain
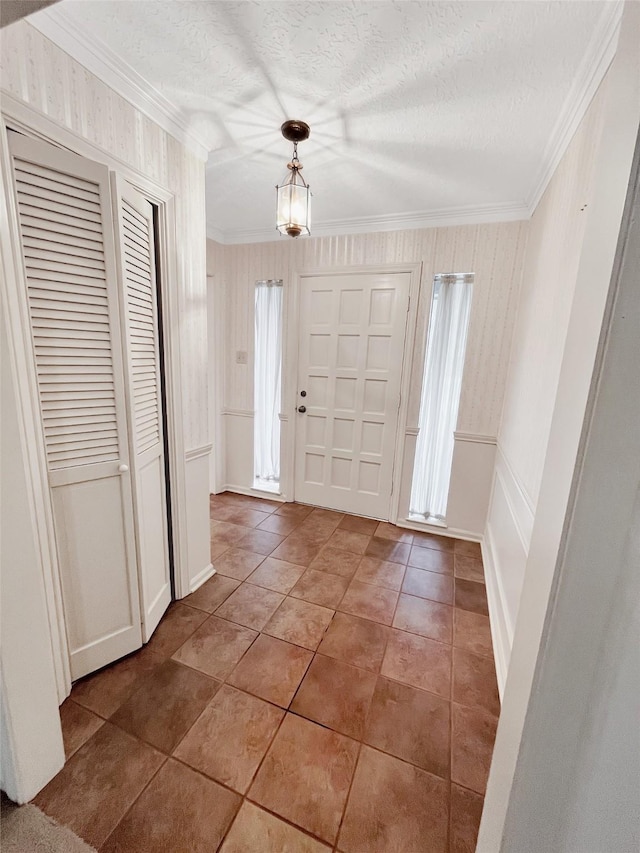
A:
{"x":267,"y":383}
{"x":441,"y":385}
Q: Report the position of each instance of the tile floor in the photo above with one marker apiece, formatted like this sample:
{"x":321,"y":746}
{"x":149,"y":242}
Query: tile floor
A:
{"x":332,"y":688}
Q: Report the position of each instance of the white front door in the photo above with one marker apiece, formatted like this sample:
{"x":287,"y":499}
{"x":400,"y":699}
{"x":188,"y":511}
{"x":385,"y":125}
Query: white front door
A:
{"x":65,"y":219}
{"x":351,"y":346}
{"x":136,"y":261}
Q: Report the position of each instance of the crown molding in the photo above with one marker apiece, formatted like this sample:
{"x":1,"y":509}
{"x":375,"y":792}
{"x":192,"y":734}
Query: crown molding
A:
{"x":215,"y":234}
{"x":594,"y":66}
{"x":96,"y":57}
{"x":465,"y":215}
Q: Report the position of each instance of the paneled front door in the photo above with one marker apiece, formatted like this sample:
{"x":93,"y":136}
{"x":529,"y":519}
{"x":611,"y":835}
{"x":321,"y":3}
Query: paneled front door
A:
{"x":351,"y":345}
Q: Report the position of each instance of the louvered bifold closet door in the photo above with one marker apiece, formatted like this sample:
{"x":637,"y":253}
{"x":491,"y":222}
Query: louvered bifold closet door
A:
{"x":136,"y":266}
{"x":66,"y":232}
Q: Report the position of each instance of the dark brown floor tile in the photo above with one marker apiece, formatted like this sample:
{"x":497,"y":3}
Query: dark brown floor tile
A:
{"x":384,"y":530}
{"x":469,"y":568}
{"x":297,"y":549}
{"x":394,"y":808}
{"x":250,"y":606}
{"x":358,"y":524}
{"x":229,"y":534}
{"x":212,"y":593}
{"x":419,"y":662}
{"x":315,"y":531}
{"x":471,"y":631}
{"x":380,"y":573}
{"x":370,"y":602}
{"x":99,"y":783}
{"x":248,"y":501}
{"x":278,"y":575}
{"x":294,"y":511}
{"x":432,"y":560}
{"x":473,"y":732}
{"x":356,"y":641}
{"x":216,"y":550}
{"x":474,"y":681}
{"x":349,"y":540}
{"x":327,"y":515}
{"x":431,"y":585}
{"x":299,"y":622}
{"x":336,"y":562}
{"x":320,"y":588}
{"x":272,"y":670}
{"x":238,"y":563}
{"x":78,"y":725}
{"x":180,"y":810}
{"x":261,"y":541}
{"x":279,"y":524}
{"x":466,"y":811}
{"x":471,"y":596}
{"x":335,"y":695}
{"x":230,"y":738}
{"x":386,"y":549}
{"x":422,"y":616}
{"x":216,"y":647}
{"x":432,"y":540}
{"x":467,"y":549}
{"x":305,"y":776}
{"x":410,"y":724}
{"x":176,"y":626}
{"x":165,"y":705}
{"x":257,"y":831}
{"x":234,"y":514}
{"x":104,"y":691}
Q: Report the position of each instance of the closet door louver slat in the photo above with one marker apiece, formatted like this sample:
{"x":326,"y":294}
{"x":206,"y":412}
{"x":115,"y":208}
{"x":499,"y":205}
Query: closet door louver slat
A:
{"x":65,"y":221}
{"x":142,"y":332}
{"x":138,"y":279}
{"x":60,"y":319}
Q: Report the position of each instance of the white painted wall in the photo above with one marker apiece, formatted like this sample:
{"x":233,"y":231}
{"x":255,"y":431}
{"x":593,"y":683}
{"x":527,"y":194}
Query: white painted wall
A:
{"x":492,"y":251}
{"x":565,"y":710}
{"x":29,"y":721}
{"x":549,"y":281}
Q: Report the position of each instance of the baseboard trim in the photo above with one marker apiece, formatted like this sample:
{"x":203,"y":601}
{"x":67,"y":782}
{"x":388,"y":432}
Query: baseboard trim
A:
{"x":252,"y":493}
{"x":201,"y":577}
{"x":501,"y":628}
{"x":451,"y":532}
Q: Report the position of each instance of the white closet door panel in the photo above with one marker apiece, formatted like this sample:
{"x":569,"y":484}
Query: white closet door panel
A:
{"x":90,"y":542}
{"x":65,"y":220}
{"x":140,"y":319}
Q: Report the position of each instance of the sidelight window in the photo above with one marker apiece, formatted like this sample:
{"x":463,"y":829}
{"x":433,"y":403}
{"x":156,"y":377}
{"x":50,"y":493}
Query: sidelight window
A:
{"x":267,"y":384}
{"x":441,"y":387}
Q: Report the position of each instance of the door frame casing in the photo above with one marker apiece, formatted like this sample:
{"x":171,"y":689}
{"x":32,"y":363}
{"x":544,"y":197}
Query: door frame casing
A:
{"x":290,"y":361}
{"x":21,"y":117}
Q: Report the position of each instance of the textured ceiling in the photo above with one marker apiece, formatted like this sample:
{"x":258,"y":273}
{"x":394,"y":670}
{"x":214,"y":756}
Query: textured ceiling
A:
{"x":414,"y":107}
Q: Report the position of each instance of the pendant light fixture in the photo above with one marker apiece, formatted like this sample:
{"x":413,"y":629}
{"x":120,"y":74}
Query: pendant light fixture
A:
{"x":293,"y":195}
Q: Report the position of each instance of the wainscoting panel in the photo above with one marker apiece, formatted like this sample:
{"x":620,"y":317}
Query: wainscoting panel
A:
{"x":505,"y":550}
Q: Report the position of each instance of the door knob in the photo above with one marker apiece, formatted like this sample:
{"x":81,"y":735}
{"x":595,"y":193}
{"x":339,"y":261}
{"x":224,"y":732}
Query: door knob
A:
{"x":122,"y":469}
{"x":302,"y":409}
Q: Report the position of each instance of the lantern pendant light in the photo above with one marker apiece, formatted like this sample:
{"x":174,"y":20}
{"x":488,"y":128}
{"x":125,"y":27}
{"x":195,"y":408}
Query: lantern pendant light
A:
{"x":293,"y":195}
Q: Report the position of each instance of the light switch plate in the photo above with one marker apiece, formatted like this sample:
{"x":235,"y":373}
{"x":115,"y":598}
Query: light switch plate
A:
{"x":242,"y":356}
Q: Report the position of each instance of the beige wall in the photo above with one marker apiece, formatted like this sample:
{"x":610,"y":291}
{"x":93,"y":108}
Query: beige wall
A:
{"x":492,"y":251}
{"x":549,"y":281}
